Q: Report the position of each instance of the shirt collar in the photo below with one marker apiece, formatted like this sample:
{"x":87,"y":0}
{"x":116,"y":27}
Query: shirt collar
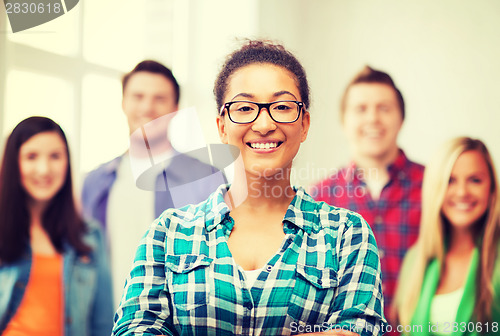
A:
{"x":302,"y":212}
{"x":216,"y":208}
{"x":397,"y":169}
{"x":112,"y":166}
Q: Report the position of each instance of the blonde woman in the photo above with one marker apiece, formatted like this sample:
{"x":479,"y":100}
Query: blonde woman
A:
{"x":450,"y":281}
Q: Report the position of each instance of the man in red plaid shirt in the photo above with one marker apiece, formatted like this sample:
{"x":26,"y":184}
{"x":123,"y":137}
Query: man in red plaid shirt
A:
{"x":381,"y":183}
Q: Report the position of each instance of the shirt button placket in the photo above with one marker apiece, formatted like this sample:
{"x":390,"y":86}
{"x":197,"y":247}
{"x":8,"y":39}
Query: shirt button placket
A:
{"x":248,"y":321}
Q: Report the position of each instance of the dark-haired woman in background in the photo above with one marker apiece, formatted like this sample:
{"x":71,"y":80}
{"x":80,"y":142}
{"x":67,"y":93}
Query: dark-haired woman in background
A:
{"x":54,"y":277}
{"x":259,"y":257}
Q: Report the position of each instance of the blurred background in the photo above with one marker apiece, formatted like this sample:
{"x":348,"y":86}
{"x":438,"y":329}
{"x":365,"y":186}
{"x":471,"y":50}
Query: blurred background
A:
{"x":444,"y":55}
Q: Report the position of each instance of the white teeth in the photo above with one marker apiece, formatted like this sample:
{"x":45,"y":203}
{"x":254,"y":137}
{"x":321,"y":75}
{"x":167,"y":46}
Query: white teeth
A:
{"x":373,"y":133}
{"x":43,"y":183}
{"x":267,"y":145}
{"x":463,"y":206}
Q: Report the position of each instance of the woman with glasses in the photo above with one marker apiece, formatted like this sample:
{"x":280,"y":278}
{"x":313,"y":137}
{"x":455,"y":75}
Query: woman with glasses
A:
{"x":259,"y":257}
{"x":54,"y":274}
{"x":450,"y":280}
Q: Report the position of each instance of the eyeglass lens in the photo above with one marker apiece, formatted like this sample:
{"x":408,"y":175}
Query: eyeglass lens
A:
{"x":281,"y":111}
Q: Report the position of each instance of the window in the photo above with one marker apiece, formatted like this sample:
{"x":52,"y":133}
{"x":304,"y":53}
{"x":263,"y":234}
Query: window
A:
{"x":69,"y":69}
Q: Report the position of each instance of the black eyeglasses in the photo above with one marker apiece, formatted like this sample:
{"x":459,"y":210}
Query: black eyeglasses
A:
{"x":245,"y":112}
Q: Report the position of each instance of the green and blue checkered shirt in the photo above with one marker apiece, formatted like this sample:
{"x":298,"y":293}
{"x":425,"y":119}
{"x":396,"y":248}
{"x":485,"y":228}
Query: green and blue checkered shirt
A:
{"x":184,"y":281}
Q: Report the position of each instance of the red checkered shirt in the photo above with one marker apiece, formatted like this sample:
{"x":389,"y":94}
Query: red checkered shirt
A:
{"x":394,"y":217}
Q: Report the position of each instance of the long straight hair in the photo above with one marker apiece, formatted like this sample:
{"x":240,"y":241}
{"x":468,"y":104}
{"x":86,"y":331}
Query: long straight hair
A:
{"x":434,"y":229}
{"x":60,"y":219}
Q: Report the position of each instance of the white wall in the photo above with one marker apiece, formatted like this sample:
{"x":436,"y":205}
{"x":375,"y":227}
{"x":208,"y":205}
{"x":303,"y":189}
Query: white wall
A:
{"x":206,"y":32}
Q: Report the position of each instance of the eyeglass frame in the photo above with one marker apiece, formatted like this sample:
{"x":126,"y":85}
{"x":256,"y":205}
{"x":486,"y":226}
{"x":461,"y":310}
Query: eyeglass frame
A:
{"x":225,"y":106}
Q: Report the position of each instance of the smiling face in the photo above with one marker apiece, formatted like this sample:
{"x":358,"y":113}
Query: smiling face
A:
{"x":469,"y":191}
{"x":146,"y":97}
{"x":43,"y":166}
{"x":267,"y":147}
{"x":372,"y":120}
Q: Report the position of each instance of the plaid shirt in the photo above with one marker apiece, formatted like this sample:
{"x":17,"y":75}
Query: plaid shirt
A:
{"x":184,"y":280}
{"x":394,"y":217}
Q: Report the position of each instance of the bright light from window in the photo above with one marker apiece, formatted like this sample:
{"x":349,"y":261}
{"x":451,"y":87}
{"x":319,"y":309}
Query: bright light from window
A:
{"x":33,"y":94}
{"x":113,"y":33}
{"x":103,"y":124}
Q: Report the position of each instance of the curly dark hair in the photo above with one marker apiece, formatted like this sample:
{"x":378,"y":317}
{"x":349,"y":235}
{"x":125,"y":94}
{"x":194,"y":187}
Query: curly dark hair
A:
{"x":261,"y":51}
